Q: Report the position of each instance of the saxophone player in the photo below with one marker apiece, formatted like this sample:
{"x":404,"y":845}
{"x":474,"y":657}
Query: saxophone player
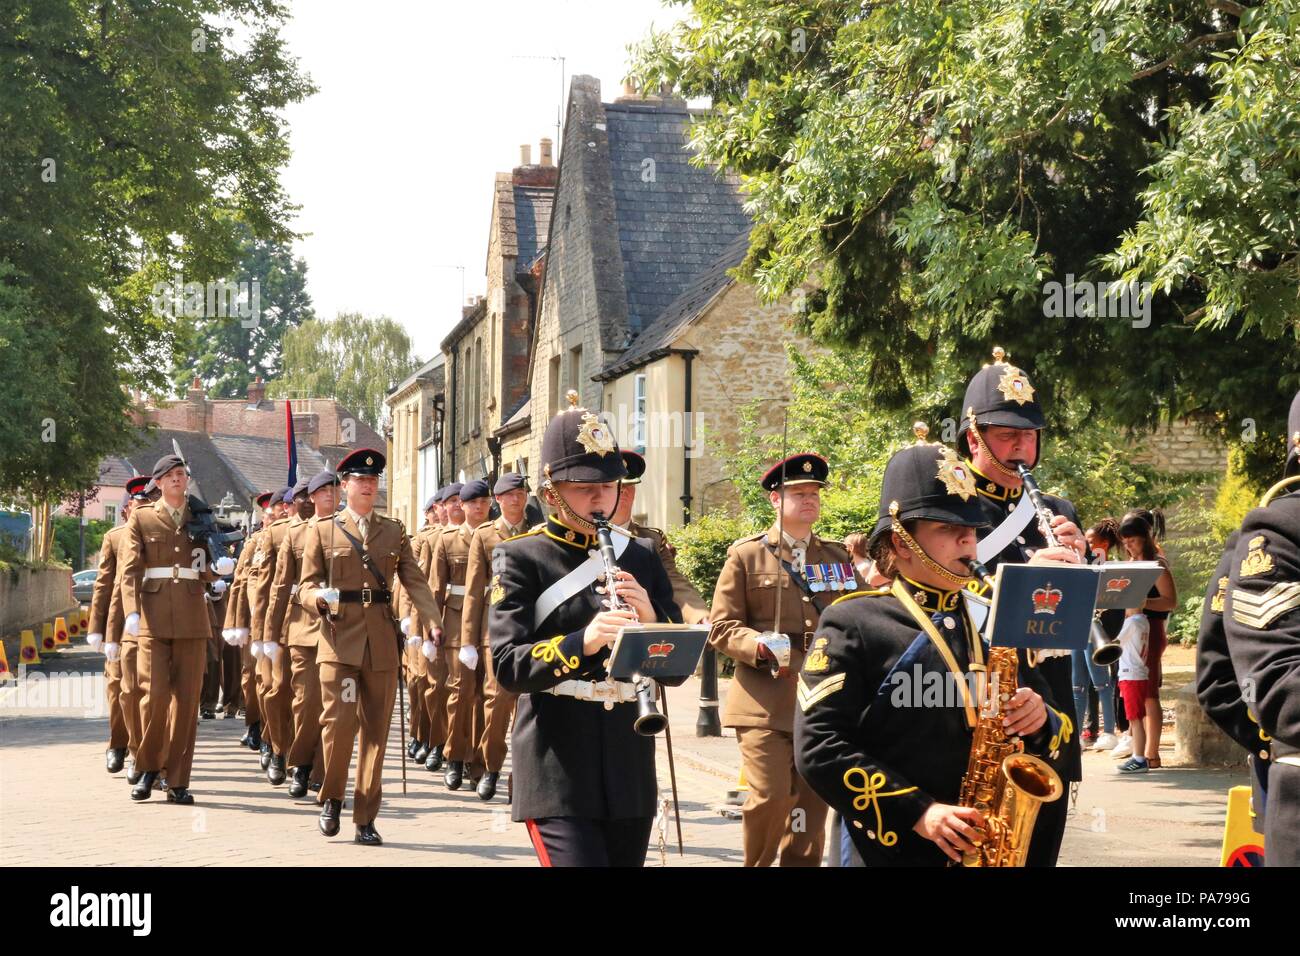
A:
{"x":890,"y":691}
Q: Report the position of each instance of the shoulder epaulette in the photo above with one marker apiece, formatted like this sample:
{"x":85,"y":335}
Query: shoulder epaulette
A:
{"x":747,"y":538}
{"x":527,"y":534}
{"x":869,"y":592}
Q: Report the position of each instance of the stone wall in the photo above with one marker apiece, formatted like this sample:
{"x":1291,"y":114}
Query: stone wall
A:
{"x":1180,"y":447}
{"x":29,"y":596}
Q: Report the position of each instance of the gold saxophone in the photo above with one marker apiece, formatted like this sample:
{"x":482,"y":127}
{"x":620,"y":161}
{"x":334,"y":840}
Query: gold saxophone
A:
{"x":1005,"y":784}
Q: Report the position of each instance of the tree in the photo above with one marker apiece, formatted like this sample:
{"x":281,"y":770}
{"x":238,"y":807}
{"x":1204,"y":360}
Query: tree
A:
{"x":228,"y":351}
{"x":139,"y":139}
{"x":350,"y":358}
{"x":965,"y":172}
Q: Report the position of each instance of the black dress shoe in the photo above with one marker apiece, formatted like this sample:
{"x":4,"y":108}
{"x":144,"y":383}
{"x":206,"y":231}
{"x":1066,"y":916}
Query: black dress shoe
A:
{"x":143,"y":789}
{"x":180,"y":795}
{"x":132,"y":775}
{"x":255,"y":736}
{"x":487,"y":787}
{"x":314,"y":786}
{"x":412,"y":747}
{"x":329,"y":817}
{"x":113,"y":759}
{"x":275,"y":772}
{"x":421,"y":752}
{"x":207,"y":713}
{"x":434,"y":763}
{"x":265,"y":750}
{"x":367,"y":835}
{"x":454,"y":775}
{"x":298,"y":785}
{"x":243,"y":741}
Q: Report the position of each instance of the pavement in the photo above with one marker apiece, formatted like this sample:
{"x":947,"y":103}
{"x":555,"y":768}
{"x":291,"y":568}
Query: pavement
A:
{"x":59,"y":806}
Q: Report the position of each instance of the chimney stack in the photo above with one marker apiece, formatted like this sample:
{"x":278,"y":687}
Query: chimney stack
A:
{"x":546,"y":152}
{"x":525,"y":155}
{"x":256,"y":391}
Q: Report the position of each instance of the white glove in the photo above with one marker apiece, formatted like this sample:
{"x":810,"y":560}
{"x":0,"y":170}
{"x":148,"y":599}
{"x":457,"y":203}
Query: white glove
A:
{"x":406,"y":624}
{"x":94,"y":640}
{"x":241,"y":636}
{"x":113,"y":650}
{"x":219,"y":586}
{"x":255,"y":649}
{"x":228,"y":635}
{"x":271,"y":650}
{"x":132,"y":625}
{"x":413,"y":641}
{"x":225,"y":565}
{"x":469,"y":656}
{"x":429,"y":650}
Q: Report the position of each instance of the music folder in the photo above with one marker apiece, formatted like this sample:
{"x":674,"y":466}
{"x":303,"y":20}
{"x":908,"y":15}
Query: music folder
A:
{"x":1125,"y":583}
{"x":1042,"y":606}
{"x":667,"y":653}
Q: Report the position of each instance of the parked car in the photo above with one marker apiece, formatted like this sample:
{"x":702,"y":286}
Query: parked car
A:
{"x":83,"y":582}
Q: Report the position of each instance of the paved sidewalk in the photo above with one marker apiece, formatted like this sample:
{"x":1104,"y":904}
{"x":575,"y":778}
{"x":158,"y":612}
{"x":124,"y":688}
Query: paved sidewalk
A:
{"x":59,"y":806}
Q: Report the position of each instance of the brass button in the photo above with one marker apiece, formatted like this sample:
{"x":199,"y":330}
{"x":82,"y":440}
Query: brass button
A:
{"x":805,"y":599}
{"x":1263,"y":755}
{"x":871,"y":834}
{"x":858,"y":824}
{"x":807,"y":623}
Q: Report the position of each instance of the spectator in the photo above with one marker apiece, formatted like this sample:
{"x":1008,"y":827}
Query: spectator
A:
{"x":1134,"y":681}
{"x":1138,"y":532}
{"x":1090,"y":678}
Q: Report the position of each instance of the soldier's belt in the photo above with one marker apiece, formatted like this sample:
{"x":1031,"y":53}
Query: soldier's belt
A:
{"x":457,"y":589}
{"x":172,"y":572}
{"x":605,"y":692}
{"x":366,"y":596}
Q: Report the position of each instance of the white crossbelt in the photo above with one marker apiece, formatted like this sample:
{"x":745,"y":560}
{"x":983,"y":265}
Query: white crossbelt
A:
{"x":573,"y":582}
{"x":175,"y":572}
{"x":600,"y":692}
{"x":1291,"y":761}
{"x":1007,"y":531}
{"x":456,"y":589}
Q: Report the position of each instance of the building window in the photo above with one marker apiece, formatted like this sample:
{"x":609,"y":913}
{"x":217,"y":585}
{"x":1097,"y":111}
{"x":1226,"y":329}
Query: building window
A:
{"x":575,"y":368}
{"x":110,"y":514}
{"x":638,"y":413}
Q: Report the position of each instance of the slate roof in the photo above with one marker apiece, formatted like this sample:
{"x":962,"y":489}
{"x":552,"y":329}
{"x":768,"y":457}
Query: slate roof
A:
{"x":211,"y":476}
{"x":533,"y":206}
{"x":115,"y":471}
{"x":693,"y":302}
{"x":678,"y":224}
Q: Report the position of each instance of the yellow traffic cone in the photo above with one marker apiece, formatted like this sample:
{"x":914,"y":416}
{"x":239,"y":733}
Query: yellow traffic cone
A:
{"x":85,"y":620}
{"x":5,"y":672}
{"x":74,"y":625}
{"x":1243,"y":844}
{"x":28,"y":652}
{"x":47,"y":636}
{"x":61,"y":632}
{"x":737,"y":796}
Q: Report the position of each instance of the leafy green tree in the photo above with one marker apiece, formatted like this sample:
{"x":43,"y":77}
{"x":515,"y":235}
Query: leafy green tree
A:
{"x":952,"y":173}
{"x":351,"y":358}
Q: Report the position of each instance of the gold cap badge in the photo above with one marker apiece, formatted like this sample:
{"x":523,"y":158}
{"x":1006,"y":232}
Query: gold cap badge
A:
{"x":1015,"y":386}
{"x":956,"y":477}
{"x":593,"y":435}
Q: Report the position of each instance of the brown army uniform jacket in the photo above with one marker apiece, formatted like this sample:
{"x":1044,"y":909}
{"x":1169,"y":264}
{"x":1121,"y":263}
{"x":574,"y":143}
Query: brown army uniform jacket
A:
{"x":168,"y":608}
{"x":478,"y":575}
{"x":448,"y":566}
{"x":688,"y":599}
{"x":286,"y":620}
{"x":106,"y":599}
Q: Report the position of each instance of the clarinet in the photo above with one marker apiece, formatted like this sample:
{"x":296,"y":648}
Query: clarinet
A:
{"x":1045,"y":514}
{"x":649,"y":721}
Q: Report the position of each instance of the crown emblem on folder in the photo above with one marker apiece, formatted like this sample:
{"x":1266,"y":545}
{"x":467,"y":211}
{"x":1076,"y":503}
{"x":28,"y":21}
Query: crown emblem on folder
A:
{"x":1115,"y":585}
{"x":1046,"y":599}
{"x":660,"y":650}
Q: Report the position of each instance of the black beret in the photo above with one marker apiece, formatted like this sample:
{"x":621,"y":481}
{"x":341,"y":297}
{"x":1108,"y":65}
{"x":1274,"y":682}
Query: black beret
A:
{"x":363,"y":461}
{"x":478,"y":488}
{"x":165,"y":464}
{"x":577,"y":446}
{"x":433,"y":500}
{"x":800,"y":469}
{"x":284,"y":494}
{"x":509,"y":482}
{"x":320,"y":480}
{"x":451,"y":491}
{"x":300,"y":488}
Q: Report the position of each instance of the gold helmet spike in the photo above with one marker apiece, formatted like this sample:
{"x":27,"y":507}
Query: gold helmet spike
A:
{"x":921,"y":430}
{"x":571,"y":396}
{"x":999,"y":355}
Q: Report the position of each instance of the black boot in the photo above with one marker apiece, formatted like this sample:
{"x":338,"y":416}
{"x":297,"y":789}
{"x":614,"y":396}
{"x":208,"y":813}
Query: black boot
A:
{"x":487,"y":787}
{"x":265,"y":751}
{"x":248,"y":733}
{"x":434,"y":763}
{"x":113,"y":759}
{"x":180,"y":795}
{"x":454,"y":775}
{"x":298,"y":786}
{"x":367,"y":835}
{"x":412,"y":747}
{"x":255,"y":736}
{"x":421,"y":752}
{"x":329,"y":817}
{"x":275,"y":772}
{"x":143,"y":789}
{"x":314,"y":786}
{"x":132,"y":775}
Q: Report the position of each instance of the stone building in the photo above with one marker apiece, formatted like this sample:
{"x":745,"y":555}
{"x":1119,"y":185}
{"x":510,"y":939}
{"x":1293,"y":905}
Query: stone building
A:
{"x":416,"y":412}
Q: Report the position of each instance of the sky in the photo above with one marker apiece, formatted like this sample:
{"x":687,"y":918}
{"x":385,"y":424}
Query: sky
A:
{"x":420,"y":104}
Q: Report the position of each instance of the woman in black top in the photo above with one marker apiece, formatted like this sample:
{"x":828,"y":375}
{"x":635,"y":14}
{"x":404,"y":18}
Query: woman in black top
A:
{"x":1137,"y":532}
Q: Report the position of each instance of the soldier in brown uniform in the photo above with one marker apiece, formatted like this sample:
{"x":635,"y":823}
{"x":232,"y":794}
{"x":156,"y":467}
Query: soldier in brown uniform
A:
{"x":162,"y":597}
{"x":272,"y":666}
{"x":694,"y":610}
{"x":437,"y":674}
{"x":417,"y":680}
{"x":106,"y":618}
{"x":488,"y":752}
{"x":290,"y":625}
{"x":239,"y":623}
{"x":348,"y":565}
{"x":783,"y":817}
{"x":463,"y":664}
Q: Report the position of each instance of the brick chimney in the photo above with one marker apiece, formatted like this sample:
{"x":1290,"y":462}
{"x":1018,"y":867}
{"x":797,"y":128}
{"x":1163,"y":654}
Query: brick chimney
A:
{"x":525,"y":155}
{"x":256,"y":391}
{"x":196,"y":411}
{"x":544,"y":173}
{"x":546,"y":152}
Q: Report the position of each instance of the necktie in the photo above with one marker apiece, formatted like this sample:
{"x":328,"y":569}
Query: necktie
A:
{"x":363,"y":525}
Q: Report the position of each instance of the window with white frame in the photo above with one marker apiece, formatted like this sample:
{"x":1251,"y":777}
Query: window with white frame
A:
{"x":638,"y":413}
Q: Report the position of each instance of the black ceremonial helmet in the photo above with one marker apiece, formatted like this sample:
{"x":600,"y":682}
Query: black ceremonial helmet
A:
{"x":578,"y":446}
{"x":999,"y":394}
{"x":927,"y":481}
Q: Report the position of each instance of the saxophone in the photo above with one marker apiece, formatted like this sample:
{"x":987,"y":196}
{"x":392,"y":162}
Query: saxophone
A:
{"x":1007,"y":785}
